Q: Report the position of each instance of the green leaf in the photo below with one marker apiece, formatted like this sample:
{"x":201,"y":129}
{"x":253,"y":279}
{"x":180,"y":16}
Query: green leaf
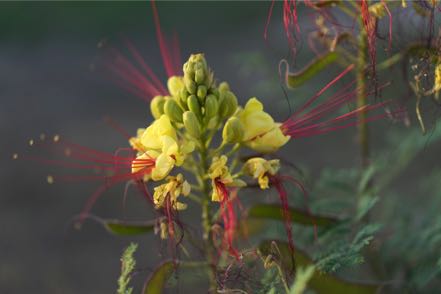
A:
{"x":274,"y":211}
{"x":294,"y":80}
{"x":127,"y":228}
{"x":319,"y":282}
{"x":156,"y":282}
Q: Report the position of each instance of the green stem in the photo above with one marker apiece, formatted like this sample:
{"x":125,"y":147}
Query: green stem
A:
{"x":206,"y":217}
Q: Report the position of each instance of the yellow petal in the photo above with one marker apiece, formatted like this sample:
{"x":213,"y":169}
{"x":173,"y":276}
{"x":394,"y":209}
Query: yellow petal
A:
{"x":163,"y":166}
{"x":151,"y":138}
{"x":269,"y":142}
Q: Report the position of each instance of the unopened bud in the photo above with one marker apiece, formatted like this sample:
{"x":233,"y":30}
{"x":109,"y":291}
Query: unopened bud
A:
{"x":191,"y":124}
{"x":183,"y":94}
{"x":175,"y":85}
{"x":228,"y":105}
{"x":202,"y":92}
{"x":223,"y":87}
{"x":211,"y":106}
{"x":193,"y":105}
{"x":173,"y":110}
{"x":157,"y":106}
{"x":190,"y":85}
{"x":233,"y":131}
{"x":199,"y":76}
{"x":188,"y":70}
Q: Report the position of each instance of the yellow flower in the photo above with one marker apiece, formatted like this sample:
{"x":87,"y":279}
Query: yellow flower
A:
{"x":159,"y":142}
{"x":259,"y":168}
{"x":220,"y":175}
{"x":261,"y":133}
{"x":170,"y":156}
{"x":175,"y":187}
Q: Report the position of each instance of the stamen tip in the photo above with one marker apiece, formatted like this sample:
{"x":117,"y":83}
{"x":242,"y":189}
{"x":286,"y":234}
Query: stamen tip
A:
{"x":50,"y":179}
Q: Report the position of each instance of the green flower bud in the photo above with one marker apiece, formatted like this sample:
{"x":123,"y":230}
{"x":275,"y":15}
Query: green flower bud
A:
{"x":175,"y":85}
{"x":233,"y":131}
{"x":157,"y":106}
{"x":190,"y":85}
{"x":199,"y":76}
{"x":193,"y":105}
{"x":209,"y":79}
{"x":183,"y":94}
{"x":202,"y":92}
{"x":214,"y":91}
{"x":211,"y":106}
{"x":191,"y":124}
{"x":228,"y":105}
{"x":188,"y":70}
{"x":223,"y":87}
{"x":173,"y":111}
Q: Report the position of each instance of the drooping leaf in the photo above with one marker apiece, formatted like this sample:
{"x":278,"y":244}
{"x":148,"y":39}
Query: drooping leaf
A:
{"x":127,"y":228}
{"x":294,"y":80}
{"x":156,"y":282}
{"x":273,"y":211}
{"x":319,"y":282}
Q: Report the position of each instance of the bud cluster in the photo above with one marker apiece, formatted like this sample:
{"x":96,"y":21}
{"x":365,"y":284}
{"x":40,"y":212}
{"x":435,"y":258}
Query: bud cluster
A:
{"x":196,"y":102}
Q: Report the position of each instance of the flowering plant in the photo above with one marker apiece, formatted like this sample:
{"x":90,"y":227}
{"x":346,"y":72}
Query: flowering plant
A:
{"x":204,"y":147}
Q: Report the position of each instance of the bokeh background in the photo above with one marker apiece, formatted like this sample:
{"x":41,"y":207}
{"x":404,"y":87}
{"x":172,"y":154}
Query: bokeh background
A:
{"x":53,"y":82}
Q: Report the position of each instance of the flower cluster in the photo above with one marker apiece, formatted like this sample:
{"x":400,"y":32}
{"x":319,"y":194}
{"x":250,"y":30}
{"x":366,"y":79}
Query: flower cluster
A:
{"x":187,"y":119}
{"x":192,"y":114}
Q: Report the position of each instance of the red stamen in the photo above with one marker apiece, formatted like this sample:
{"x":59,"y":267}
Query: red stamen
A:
{"x":283,"y":195}
{"x":299,"y":185}
{"x":369,"y":23}
{"x":118,"y":168}
{"x":390,"y":24}
{"x":229,"y":218}
{"x":268,"y":19}
{"x":171,"y":68}
{"x":303,"y":123}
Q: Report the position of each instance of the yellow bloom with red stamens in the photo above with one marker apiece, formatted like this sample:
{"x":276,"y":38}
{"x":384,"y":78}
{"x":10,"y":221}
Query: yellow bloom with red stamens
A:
{"x":261,"y":133}
{"x":159,"y":142}
{"x":260,"y":169}
{"x":219,"y":174}
{"x":170,"y":191}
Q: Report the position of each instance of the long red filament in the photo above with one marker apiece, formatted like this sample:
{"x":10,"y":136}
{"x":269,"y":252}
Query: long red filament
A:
{"x":283,"y":195}
{"x":229,"y":218}
{"x":390,"y":23}
{"x":170,"y":67}
{"x":303,"y":123}
{"x":268,"y":19}
{"x":369,"y":23}
{"x":116,"y":168}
